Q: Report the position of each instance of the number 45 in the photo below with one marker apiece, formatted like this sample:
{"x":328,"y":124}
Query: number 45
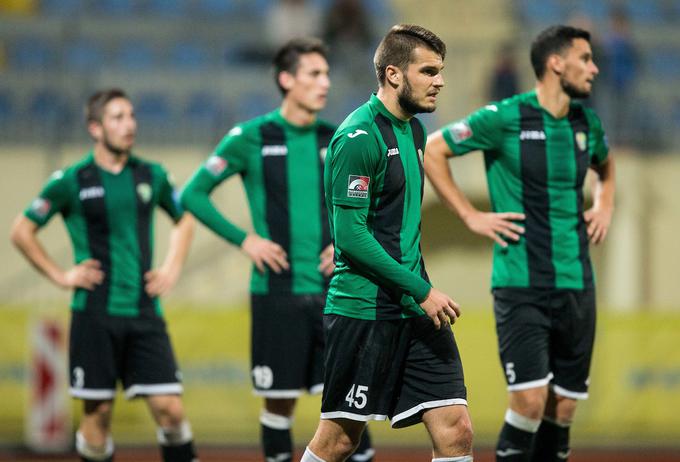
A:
{"x":357,"y":396}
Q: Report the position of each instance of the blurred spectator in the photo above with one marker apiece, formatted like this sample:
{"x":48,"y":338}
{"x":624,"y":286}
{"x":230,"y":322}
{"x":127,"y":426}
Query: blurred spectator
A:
{"x":504,"y":79}
{"x":287,"y":19}
{"x":620,"y":72}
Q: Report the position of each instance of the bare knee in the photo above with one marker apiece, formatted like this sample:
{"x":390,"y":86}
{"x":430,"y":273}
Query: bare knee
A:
{"x":561,"y":409}
{"x":336,"y":440}
{"x":167,"y":410}
{"x":450,"y":429}
{"x":529,"y":403}
{"x":284,"y":407}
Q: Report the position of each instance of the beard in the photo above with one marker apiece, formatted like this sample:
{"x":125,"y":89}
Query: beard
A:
{"x":572,"y":91}
{"x":116,"y":150}
{"x":408,"y":103}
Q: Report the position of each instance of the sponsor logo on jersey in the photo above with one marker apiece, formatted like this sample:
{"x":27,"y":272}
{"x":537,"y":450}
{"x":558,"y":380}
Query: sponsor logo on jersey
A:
{"x":357,"y":186}
{"x":357,"y":132}
{"x":216,"y":165}
{"x":41,"y":207}
{"x":144,"y":192}
{"x":275,"y":150}
{"x":532,"y":135}
{"x":460,"y":131}
{"x":93,"y":192}
{"x":392,"y":152}
{"x":581,"y":140}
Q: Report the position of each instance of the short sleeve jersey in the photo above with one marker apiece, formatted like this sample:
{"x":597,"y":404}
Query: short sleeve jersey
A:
{"x":536,"y":164}
{"x":374,"y":162}
{"x":109,"y":218}
{"x":281,"y":166}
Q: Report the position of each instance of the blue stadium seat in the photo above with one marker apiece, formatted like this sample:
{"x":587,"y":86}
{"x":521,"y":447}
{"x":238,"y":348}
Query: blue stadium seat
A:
{"x":167,"y":8}
{"x":541,"y":13}
{"x":153,"y":106}
{"x":663,"y":63}
{"x":6,"y":105}
{"x":217,"y":8}
{"x":135,"y":56}
{"x":252,"y":104}
{"x":48,"y":104}
{"x":83,"y":55}
{"x":32,"y":55}
{"x":189,"y":56}
{"x":203,"y":106}
{"x":120,"y":8}
{"x":61,"y":8}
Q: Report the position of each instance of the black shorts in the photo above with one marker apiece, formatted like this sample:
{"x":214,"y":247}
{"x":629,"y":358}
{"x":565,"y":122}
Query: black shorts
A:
{"x":286,"y":344}
{"x":396,"y":369}
{"x":105,"y":349}
{"x":546,"y":337}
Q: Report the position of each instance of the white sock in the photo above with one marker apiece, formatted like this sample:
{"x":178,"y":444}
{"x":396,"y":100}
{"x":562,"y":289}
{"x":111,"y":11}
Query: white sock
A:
{"x":309,"y":456}
{"x":521,"y":422}
{"x":91,"y":452}
{"x":467,"y":458}
{"x":175,"y":436}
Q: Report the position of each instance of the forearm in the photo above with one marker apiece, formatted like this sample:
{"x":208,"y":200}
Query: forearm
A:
{"x":196,"y":199}
{"x":356,"y":243}
{"x":180,"y":242}
{"x":23,"y":236}
{"x":605,"y":186}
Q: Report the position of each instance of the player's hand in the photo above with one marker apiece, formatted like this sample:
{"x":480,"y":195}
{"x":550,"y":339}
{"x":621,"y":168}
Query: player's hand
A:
{"x":265,"y":252}
{"x":327,"y":265}
{"x":440,"y":308}
{"x":496,"y":226}
{"x":160,"y":281}
{"x":598,"y":220}
{"x":85,"y":275}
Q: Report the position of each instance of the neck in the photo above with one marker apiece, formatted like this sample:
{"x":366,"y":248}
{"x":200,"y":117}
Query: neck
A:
{"x":108,"y":160}
{"x":552,"y":98}
{"x":388,"y":96}
{"x":295,"y":114}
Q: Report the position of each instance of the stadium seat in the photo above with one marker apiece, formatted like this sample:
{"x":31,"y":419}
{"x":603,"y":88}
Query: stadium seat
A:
{"x":6,"y":105}
{"x":189,"y":56}
{"x":61,"y":8}
{"x":648,"y":12}
{"x":47,"y":105}
{"x":153,"y":106}
{"x":203,"y":107}
{"x":120,"y":8}
{"x":540,"y":13}
{"x":135,"y":56}
{"x":218,"y":8}
{"x":83,"y":55}
{"x":32,"y":55}
{"x":663,"y":63}
{"x":167,"y":8}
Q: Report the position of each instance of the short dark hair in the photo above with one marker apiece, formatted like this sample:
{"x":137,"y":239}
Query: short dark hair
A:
{"x":98,"y":101}
{"x":396,"y":48}
{"x":553,"y":40}
{"x":287,"y":58}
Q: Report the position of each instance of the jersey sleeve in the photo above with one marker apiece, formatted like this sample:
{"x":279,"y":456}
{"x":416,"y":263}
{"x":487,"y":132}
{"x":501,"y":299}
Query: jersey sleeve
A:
{"x":53,"y":198}
{"x":599,"y":147}
{"x":354,"y":163}
{"x":481,"y":130}
{"x":168,"y":198}
{"x":229,"y":157}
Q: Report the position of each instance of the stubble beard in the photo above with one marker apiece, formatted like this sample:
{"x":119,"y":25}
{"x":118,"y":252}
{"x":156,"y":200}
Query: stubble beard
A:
{"x":572,"y":91}
{"x":408,"y":104}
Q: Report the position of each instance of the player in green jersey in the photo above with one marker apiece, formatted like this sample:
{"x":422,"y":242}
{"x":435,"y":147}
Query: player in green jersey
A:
{"x":390,"y":352}
{"x":279,"y":157}
{"x":117,"y":330}
{"x":538,"y":147}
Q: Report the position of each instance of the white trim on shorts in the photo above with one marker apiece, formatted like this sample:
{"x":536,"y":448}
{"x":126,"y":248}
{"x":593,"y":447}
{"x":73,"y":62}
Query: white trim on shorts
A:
{"x":352,"y":416}
{"x":532,"y":384}
{"x":428,"y":405}
{"x":568,"y":393}
{"x":91,"y":393}
{"x":295,"y":393}
{"x":154,"y":389}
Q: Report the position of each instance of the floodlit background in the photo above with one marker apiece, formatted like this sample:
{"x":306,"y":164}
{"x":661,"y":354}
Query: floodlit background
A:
{"x":195,"y":67}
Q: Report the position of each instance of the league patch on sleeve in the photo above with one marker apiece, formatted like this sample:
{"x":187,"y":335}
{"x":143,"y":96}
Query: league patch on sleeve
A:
{"x":460,"y":131}
{"x":357,"y":186}
{"x":216,"y":165}
{"x":41,"y":207}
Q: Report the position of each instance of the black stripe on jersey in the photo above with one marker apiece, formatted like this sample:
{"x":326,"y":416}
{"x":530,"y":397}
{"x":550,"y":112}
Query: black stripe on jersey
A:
{"x":97,"y":223}
{"x":535,"y":197}
{"x":275,"y":178}
{"x":386,"y":222}
{"x":419,"y":142}
{"x":324,"y":134}
{"x":579,"y":124}
{"x":141,"y":175}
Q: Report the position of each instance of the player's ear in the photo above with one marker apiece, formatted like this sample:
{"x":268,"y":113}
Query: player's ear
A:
{"x":393,"y":75}
{"x":94,"y":128}
{"x":286,"y":80}
{"x":555,"y":63}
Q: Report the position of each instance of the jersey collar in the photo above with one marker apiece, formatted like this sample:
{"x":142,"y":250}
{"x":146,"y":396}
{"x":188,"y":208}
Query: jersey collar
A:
{"x":375,"y":102}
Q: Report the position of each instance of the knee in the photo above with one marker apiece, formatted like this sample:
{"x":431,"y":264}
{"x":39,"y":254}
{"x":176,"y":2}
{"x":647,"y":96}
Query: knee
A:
{"x":564,"y":411}
{"x":169,"y":412}
{"x":530,"y":404}
{"x":462,"y":434}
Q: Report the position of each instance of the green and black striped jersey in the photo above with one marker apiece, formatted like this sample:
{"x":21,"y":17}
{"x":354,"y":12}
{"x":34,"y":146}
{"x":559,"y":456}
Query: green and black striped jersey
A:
{"x":109,"y":217}
{"x":281,"y":166}
{"x":536,"y":164}
{"x":374,"y":170}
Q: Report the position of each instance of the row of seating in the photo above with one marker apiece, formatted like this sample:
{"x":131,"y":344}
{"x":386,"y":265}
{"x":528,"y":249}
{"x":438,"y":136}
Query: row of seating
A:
{"x":648,"y":12}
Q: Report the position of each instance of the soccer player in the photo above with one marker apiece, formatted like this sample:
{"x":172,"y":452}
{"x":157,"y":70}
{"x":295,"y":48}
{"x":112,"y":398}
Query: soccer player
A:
{"x":538,"y":147}
{"x":279,"y":157}
{"x":390,"y":351}
{"x":107,"y":200}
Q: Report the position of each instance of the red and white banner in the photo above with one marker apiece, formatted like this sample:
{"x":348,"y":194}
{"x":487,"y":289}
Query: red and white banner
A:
{"x":48,"y":420}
